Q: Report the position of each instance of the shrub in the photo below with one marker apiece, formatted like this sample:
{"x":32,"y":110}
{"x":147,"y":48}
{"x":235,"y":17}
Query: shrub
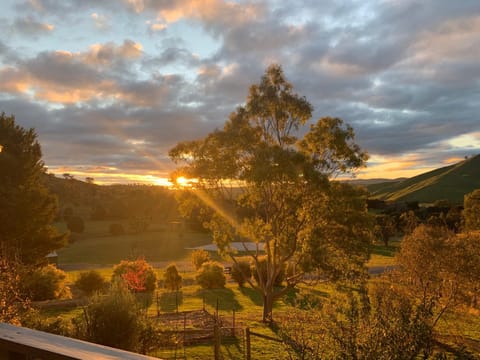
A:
{"x":90,"y":282}
{"x":45,"y":283}
{"x":199,"y":257}
{"x":172,"y":280}
{"x":241,"y":271}
{"x":138,"y":275}
{"x":210,"y":275}
{"x":75,"y":224}
{"x":56,"y":325}
{"x":116,"y":229}
{"x":113,"y":320}
{"x":262,"y":268}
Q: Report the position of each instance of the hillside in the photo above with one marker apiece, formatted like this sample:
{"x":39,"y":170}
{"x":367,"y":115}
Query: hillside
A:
{"x":447,"y":183}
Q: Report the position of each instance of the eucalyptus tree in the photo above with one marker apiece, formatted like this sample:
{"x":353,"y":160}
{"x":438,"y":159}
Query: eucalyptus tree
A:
{"x":256,"y":181}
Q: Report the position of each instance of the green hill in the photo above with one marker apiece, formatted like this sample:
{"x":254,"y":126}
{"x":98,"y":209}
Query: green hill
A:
{"x":447,"y":183}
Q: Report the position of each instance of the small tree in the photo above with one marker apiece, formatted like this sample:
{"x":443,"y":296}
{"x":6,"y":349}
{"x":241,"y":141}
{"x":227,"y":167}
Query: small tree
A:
{"x":385,"y":228}
{"x":439,"y":269}
{"x":138,"y":275}
{"x":90,"y":282}
{"x":471,"y":212}
{"x":210,"y":275}
{"x":241,"y":272}
{"x":199,"y":257}
{"x":13,"y":303}
{"x":113,"y":320}
{"x":172,"y":279}
{"x":45,"y":283}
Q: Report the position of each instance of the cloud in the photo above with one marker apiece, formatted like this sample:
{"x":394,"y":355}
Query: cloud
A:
{"x":403,"y":73}
{"x":108,"y":53}
{"x":208,"y":11}
{"x":65,"y":77}
{"x":31,"y":27}
{"x":101,"y":21}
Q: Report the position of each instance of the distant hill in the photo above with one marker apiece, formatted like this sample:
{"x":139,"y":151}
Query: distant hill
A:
{"x":368,"y":182}
{"x":447,"y":183}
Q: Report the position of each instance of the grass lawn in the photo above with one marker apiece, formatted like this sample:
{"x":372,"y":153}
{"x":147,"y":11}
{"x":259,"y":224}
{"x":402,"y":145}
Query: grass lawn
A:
{"x":97,"y":246}
{"x":382,"y":255}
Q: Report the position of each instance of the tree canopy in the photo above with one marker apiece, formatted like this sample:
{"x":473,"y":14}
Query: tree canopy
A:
{"x":257,"y":181}
{"x":26,"y":208}
{"x":471,"y":212}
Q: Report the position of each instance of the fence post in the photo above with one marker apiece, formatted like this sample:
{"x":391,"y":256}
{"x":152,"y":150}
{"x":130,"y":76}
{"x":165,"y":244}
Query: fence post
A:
{"x":233,"y":322}
{"x":158,"y":305}
{"x":184,"y":328}
{"x":176,"y":300}
{"x":217,"y":341}
{"x":248,"y":349}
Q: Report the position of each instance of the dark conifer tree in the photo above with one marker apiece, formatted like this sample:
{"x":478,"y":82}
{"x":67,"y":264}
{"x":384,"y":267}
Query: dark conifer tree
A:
{"x":27,"y":209}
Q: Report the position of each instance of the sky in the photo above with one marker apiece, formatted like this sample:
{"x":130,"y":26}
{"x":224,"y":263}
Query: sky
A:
{"x":110,"y":86}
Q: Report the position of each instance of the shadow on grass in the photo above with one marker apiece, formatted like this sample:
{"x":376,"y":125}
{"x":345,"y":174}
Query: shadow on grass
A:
{"x":253,"y":295}
{"x":168,"y":302}
{"x":232,"y":347}
{"x":225,"y":298}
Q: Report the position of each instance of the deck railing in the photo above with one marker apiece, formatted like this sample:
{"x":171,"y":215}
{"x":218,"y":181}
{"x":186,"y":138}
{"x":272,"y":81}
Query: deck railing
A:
{"x":18,"y":343}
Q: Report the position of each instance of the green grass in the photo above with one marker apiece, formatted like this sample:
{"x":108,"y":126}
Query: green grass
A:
{"x":382,"y":255}
{"x":97,"y":246}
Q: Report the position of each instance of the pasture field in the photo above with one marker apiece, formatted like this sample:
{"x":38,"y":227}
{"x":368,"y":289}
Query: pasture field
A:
{"x":157,"y":244}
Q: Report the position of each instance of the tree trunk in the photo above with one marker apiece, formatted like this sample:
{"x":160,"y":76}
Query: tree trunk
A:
{"x":268,"y":307}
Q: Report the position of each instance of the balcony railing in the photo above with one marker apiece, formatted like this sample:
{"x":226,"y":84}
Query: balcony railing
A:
{"x":18,"y":343}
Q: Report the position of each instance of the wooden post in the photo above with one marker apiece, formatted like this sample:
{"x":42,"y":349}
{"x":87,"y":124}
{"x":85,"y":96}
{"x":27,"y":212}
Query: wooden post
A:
{"x":176,"y":300}
{"x":158,"y":305}
{"x":248,"y":349}
{"x":217,"y":341}
{"x":233,"y":322}
{"x":216,"y":310}
{"x":184,"y":327}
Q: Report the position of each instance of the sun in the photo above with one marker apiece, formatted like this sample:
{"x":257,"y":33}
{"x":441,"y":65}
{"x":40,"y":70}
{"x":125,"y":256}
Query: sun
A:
{"x":182,"y":181}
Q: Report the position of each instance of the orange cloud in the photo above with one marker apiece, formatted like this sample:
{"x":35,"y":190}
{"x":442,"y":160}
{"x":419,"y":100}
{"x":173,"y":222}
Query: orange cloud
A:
{"x":210,"y":10}
{"x":105,"y":54}
{"x":13,"y":81}
{"x":391,"y":167}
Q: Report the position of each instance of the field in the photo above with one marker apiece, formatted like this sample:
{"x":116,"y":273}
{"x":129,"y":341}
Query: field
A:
{"x":161,"y":246}
{"x":157,"y":244}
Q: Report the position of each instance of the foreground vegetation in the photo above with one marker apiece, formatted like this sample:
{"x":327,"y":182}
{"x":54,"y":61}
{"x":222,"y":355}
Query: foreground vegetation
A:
{"x":457,"y":332}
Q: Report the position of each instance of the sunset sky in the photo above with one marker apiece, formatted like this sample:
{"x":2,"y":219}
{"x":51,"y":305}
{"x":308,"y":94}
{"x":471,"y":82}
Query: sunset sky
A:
{"x":110,"y":86}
